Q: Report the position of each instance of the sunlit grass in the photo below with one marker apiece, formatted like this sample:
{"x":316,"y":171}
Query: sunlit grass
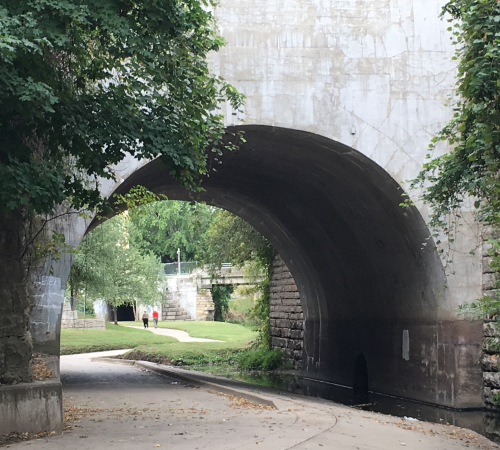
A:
{"x":230,"y":333}
{"x":114,"y":337}
{"x":123,"y":336}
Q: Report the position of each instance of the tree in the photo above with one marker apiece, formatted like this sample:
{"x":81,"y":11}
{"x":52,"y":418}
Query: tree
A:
{"x":231,"y":239}
{"x":115,"y":270}
{"x":471,"y":168}
{"x":221,"y":293}
{"x":83,"y":83}
{"x":165,"y":226}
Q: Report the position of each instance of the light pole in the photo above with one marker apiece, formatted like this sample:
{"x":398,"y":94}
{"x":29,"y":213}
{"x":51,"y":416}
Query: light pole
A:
{"x":179,"y":261}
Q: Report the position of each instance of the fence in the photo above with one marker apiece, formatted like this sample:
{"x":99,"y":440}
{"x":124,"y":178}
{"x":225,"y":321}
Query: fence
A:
{"x":172,"y":269}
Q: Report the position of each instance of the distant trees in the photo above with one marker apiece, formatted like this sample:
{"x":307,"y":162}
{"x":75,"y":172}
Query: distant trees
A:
{"x":231,"y":239}
{"x":203,"y":233}
{"x":109,"y":266}
{"x":163,"y":227}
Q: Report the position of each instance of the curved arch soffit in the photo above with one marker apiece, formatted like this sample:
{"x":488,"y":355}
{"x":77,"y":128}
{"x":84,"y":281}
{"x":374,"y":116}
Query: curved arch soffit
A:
{"x":331,"y":213}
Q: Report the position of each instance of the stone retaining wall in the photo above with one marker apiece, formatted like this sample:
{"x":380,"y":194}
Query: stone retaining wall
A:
{"x":286,"y":315}
{"x":69,"y":319}
{"x":490,"y":356}
{"x":204,"y":305}
{"x":31,"y":407}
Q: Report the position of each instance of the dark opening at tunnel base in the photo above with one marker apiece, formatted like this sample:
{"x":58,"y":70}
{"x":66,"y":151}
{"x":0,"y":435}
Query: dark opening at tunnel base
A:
{"x":125,"y":313}
{"x":360,"y":393}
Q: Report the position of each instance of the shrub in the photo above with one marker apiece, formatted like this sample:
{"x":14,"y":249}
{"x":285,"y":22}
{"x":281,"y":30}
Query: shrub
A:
{"x":221,"y":293}
{"x":262,"y":359}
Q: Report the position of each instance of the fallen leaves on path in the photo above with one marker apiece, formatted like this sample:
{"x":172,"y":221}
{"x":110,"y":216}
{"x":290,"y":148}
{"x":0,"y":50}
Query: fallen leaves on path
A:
{"x":41,"y":371}
{"x":73,"y":413}
{"x":449,"y":431}
{"x":12,"y":438}
{"x":239,"y":402}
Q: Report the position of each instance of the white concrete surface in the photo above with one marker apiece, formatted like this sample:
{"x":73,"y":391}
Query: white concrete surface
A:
{"x":183,"y":290}
{"x":180,"y":335}
{"x":122,"y":407}
{"x":373,"y":75}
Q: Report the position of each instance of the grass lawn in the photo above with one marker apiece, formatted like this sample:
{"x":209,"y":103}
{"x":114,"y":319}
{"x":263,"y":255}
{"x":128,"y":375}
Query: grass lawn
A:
{"x":221,"y":358}
{"x":112,"y":338}
{"x":231,"y":334}
{"x":121,"y":336}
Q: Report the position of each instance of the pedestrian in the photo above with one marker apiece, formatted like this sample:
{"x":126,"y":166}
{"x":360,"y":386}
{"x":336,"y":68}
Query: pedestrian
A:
{"x":145,"y":319}
{"x":155,"y":318}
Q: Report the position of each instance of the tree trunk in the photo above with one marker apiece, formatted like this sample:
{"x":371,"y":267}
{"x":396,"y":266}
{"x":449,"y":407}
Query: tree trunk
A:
{"x":115,"y":315}
{"x":134,"y":308}
{"x":73,"y":299}
{"x":15,"y":336}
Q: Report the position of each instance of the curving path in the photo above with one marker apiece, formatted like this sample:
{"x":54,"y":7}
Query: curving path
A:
{"x":124,"y":407}
{"x":180,"y":335}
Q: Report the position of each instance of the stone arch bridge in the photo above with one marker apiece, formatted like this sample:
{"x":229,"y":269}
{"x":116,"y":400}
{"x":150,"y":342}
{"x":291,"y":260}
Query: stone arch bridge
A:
{"x":342,"y":101}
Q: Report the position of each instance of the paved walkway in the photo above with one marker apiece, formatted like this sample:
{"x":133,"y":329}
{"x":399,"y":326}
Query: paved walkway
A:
{"x":114,"y":406}
{"x":180,"y":335}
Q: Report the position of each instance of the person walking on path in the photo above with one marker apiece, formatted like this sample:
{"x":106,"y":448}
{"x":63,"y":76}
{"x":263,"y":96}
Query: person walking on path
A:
{"x":145,"y":319}
{"x":155,"y":318}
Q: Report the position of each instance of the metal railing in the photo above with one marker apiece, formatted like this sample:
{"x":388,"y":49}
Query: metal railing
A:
{"x":172,"y":269}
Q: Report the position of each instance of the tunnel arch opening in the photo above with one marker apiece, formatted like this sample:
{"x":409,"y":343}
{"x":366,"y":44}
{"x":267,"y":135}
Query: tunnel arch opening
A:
{"x":360,"y":392}
{"x":356,"y":256}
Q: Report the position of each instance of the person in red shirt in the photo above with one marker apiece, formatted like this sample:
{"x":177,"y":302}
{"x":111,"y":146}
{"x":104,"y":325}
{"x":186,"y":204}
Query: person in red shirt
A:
{"x":155,"y":318}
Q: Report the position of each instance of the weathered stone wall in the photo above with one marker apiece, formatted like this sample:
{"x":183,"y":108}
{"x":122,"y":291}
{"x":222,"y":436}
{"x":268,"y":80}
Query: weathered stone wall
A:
{"x":286,"y":315}
{"x":204,"y":305}
{"x":31,"y":407}
{"x":70,"y":319}
{"x":15,"y":338}
{"x":47,"y":297}
{"x":490,"y":356}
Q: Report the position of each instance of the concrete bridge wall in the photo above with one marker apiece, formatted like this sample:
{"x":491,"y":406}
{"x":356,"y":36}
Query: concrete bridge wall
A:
{"x":342,"y":100}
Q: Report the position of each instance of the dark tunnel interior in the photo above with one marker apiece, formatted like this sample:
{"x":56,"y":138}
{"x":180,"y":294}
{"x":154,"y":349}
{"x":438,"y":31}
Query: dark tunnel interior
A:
{"x":356,"y":255}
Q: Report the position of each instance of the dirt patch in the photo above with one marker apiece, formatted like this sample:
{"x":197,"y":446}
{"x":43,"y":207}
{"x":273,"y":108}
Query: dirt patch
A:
{"x":138,"y":355}
{"x":238,"y":402}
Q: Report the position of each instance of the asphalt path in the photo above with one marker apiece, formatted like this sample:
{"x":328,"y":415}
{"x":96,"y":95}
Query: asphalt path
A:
{"x":115,"y":406}
{"x":181,"y":336}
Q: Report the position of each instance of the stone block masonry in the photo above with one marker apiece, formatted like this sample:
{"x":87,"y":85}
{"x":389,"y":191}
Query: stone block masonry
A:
{"x":204,"y":305}
{"x":490,"y":357}
{"x":286,"y":315}
{"x":70,"y":319}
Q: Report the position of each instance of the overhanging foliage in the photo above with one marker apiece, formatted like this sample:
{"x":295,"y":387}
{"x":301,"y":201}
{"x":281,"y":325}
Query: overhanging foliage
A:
{"x":83,"y":82}
{"x":471,"y":169}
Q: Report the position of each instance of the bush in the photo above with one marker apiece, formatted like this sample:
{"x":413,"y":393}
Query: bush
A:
{"x":221,"y":293}
{"x":262,"y":359}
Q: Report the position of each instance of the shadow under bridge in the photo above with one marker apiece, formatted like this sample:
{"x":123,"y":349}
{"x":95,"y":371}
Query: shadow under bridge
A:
{"x":366,"y":286}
